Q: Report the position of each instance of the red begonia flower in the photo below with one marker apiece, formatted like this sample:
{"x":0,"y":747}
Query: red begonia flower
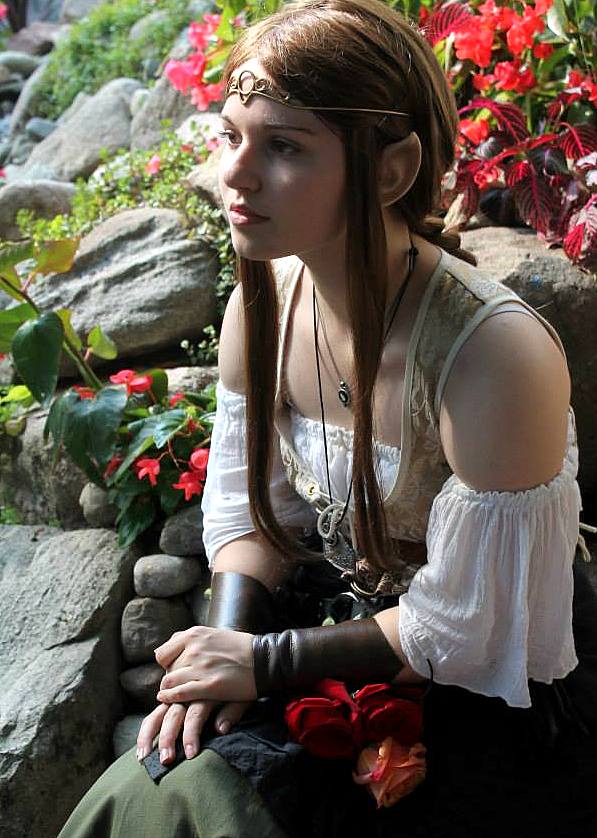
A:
{"x":148,"y":467}
{"x":139,"y":384}
{"x":122,"y":377}
{"x":177,"y":397}
{"x":190,"y":483}
{"x":84,"y":392}
{"x":112,"y":466}
{"x":475,"y":41}
{"x":475,"y":130}
{"x":198,"y":461}
{"x":542,"y":50}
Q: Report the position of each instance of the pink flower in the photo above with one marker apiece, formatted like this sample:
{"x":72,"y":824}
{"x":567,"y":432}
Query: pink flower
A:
{"x":177,"y":397}
{"x":185,"y":74}
{"x":122,"y":377}
{"x":190,"y":483}
{"x":2,"y":174}
{"x":84,"y":392}
{"x":475,"y":130}
{"x":152,"y":167}
{"x":148,"y":467}
{"x":198,"y":461}
{"x":212,"y":143}
{"x":203,"y":94}
{"x":139,"y":384}
{"x":391,"y":770}
{"x":3,"y":11}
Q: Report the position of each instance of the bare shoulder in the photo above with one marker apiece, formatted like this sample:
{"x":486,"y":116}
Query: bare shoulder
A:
{"x":504,"y":414}
{"x":231,"y":352}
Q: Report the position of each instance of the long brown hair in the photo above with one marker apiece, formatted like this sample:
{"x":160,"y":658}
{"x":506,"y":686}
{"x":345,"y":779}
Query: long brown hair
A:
{"x":353,"y":53}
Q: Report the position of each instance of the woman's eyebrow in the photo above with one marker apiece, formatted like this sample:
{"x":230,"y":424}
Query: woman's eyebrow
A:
{"x":284,"y":126}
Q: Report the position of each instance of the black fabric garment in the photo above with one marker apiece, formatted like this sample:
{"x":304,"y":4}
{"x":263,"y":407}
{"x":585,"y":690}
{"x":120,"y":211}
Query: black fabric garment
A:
{"x":492,"y":770}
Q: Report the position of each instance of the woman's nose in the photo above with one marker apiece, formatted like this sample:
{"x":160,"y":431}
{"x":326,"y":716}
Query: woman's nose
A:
{"x":239,"y":168}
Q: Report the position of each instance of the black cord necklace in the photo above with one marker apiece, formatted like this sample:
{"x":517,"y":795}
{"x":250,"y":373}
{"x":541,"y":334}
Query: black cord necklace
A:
{"x":336,"y":548}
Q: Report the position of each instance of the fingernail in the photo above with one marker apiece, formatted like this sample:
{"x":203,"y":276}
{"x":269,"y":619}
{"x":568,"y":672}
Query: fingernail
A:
{"x":224,"y":726}
{"x":139,"y":755}
{"x":189,"y":751}
{"x":164,"y":753}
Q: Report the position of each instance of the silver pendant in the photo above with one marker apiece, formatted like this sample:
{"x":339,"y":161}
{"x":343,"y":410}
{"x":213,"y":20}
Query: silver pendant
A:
{"x":344,"y":394}
{"x":336,"y":548}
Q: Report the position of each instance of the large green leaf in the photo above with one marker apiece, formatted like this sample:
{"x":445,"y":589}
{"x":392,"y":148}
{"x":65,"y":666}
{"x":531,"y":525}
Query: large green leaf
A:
{"x":65,"y":315}
{"x":101,"y":344}
{"x":135,"y":519}
{"x":10,"y":320}
{"x":159,"y":383}
{"x":167,"y":425}
{"x":10,"y":283}
{"x":36,"y":349}
{"x":103,"y":418}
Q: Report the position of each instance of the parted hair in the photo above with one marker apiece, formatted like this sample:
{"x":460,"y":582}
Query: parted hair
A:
{"x":353,"y":53}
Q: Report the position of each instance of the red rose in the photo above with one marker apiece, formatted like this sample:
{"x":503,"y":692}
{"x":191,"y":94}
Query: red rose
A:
{"x":384,"y":713}
{"x":322,"y":726}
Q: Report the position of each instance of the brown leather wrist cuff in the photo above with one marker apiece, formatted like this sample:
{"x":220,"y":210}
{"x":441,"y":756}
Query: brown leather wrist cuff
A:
{"x":241,"y":603}
{"x":356,"y":650}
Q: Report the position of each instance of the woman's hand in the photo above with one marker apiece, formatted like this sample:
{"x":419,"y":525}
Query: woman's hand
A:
{"x":205,"y":663}
{"x":167,"y":720}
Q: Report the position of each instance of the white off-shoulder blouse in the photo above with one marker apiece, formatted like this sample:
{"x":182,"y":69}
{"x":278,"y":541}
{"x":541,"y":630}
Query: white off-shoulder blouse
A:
{"x":492,"y":607}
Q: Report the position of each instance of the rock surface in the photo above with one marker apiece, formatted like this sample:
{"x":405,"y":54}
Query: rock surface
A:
{"x":103,"y":122}
{"x":160,"y":575}
{"x":141,"y":277}
{"x":183,"y":533}
{"x":97,"y":509}
{"x":149,"y":622}
{"x":37,"y":39}
{"x":39,"y":490}
{"x":20,"y":114}
{"x":142,"y":683}
{"x":46,"y":198}
{"x":19,"y":62}
{"x":567,"y":298}
{"x":61,"y":596}
{"x":162,"y":102}
{"x":125,"y":734}
{"x":75,"y":9}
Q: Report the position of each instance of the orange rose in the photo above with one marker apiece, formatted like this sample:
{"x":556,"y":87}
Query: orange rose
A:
{"x":390,"y":771}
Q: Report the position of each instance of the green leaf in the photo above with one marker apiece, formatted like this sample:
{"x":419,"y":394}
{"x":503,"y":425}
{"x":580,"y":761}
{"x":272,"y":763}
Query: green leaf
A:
{"x":10,"y":320}
{"x":170,"y":499}
{"x":36,"y":349}
{"x":55,"y":256}
{"x":167,"y":425}
{"x":13,"y":254}
{"x":101,"y":345}
{"x":65,"y":315}
{"x":103,"y":418}
{"x":19,"y":393}
{"x":557,"y":20}
{"x":159,"y":383}
{"x":138,"y":447}
{"x":11,"y":283}
{"x":135,"y":519}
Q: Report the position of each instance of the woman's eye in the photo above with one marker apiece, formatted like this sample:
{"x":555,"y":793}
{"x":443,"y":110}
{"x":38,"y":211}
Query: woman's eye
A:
{"x":228,"y":136}
{"x":283,"y":146}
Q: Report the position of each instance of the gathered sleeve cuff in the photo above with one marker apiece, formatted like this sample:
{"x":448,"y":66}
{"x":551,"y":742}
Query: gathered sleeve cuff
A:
{"x":225,"y":503}
{"x":492,"y":608}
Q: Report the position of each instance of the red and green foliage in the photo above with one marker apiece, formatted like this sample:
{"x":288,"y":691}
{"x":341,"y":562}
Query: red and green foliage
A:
{"x":524,"y":78}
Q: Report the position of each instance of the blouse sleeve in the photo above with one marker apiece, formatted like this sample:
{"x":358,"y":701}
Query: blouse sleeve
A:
{"x":493,"y":605}
{"x":225,"y":503}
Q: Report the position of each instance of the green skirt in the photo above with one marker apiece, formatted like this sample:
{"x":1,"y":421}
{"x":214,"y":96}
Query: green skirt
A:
{"x":203,"y":798}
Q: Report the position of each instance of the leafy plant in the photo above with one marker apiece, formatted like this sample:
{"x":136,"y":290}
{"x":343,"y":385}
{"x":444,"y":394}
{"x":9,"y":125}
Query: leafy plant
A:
{"x":98,"y":48}
{"x":119,"y":433}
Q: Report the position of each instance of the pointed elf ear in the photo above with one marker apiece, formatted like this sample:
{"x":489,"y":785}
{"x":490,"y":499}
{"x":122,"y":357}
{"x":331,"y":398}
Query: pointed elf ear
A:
{"x":398,"y":168}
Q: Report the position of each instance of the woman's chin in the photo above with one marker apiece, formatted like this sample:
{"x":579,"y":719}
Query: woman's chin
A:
{"x":257,"y":252}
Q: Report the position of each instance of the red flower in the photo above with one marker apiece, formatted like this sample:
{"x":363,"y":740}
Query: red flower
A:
{"x":386,"y":714}
{"x":148,"y":467}
{"x":190,"y":483}
{"x":481,"y":82}
{"x":521,"y":33}
{"x":475,"y":41}
{"x":112,"y":466}
{"x":486,"y":175}
{"x":509,"y":75}
{"x":322,"y":726}
{"x":543,"y":6}
{"x":3,"y":11}
{"x":84,"y":392}
{"x":139,"y":384}
{"x":475,"y":130}
{"x":500,"y":17}
{"x":177,"y":397}
{"x":542,"y":50}
{"x":203,"y":94}
{"x":198,"y":461}
{"x":122,"y":377}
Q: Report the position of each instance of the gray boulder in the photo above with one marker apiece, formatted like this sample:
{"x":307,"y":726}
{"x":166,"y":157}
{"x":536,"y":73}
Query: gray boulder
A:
{"x":61,"y":596}
{"x":38,"y":129}
{"x":160,"y":575}
{"x":39,"y":490}
{"x":567,"y":297}
{"x":198,"y":601}
{"x":38,"y":38}
{"x":142,"y":278}
{"x":97,"y":509}
{"x":191,"y":378}
{"x":182,"y":534}
{"x":20,"y":62}
{"x":46,"y":198}
{"x":203,"y":179}
{"x":22,"y":108}
{"x":162,"y":102}
{"x":103,"y":122}
{"x":125,"y":734}
{"x":73,"y":10}
{"x":147,"y":623}
{"x":141,"y":684}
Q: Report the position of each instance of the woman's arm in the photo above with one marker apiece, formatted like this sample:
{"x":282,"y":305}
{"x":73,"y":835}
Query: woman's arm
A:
{"x":503,"y":418}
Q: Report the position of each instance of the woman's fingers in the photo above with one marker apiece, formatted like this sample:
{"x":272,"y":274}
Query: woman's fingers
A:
{"x":171,"y":725}
{"x":198,"y":712}
{"x":231,"y":713}
{"x":150,"y":727}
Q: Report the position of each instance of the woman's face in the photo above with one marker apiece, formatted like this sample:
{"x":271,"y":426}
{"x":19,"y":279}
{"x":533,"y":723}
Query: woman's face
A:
{"x":281,"y":178}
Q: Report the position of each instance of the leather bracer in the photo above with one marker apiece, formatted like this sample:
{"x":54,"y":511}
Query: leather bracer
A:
{"x":354,"y":651}
{"x":241,"y":603}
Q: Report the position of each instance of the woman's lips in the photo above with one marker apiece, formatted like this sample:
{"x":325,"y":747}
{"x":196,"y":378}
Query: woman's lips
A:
{"x":240,"y":215}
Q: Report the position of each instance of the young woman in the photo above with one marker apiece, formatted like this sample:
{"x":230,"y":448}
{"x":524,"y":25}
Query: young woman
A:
{"x":385,"y":448}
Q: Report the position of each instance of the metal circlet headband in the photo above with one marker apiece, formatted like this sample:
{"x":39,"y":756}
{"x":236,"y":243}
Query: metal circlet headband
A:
{"x":246,"y":84}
